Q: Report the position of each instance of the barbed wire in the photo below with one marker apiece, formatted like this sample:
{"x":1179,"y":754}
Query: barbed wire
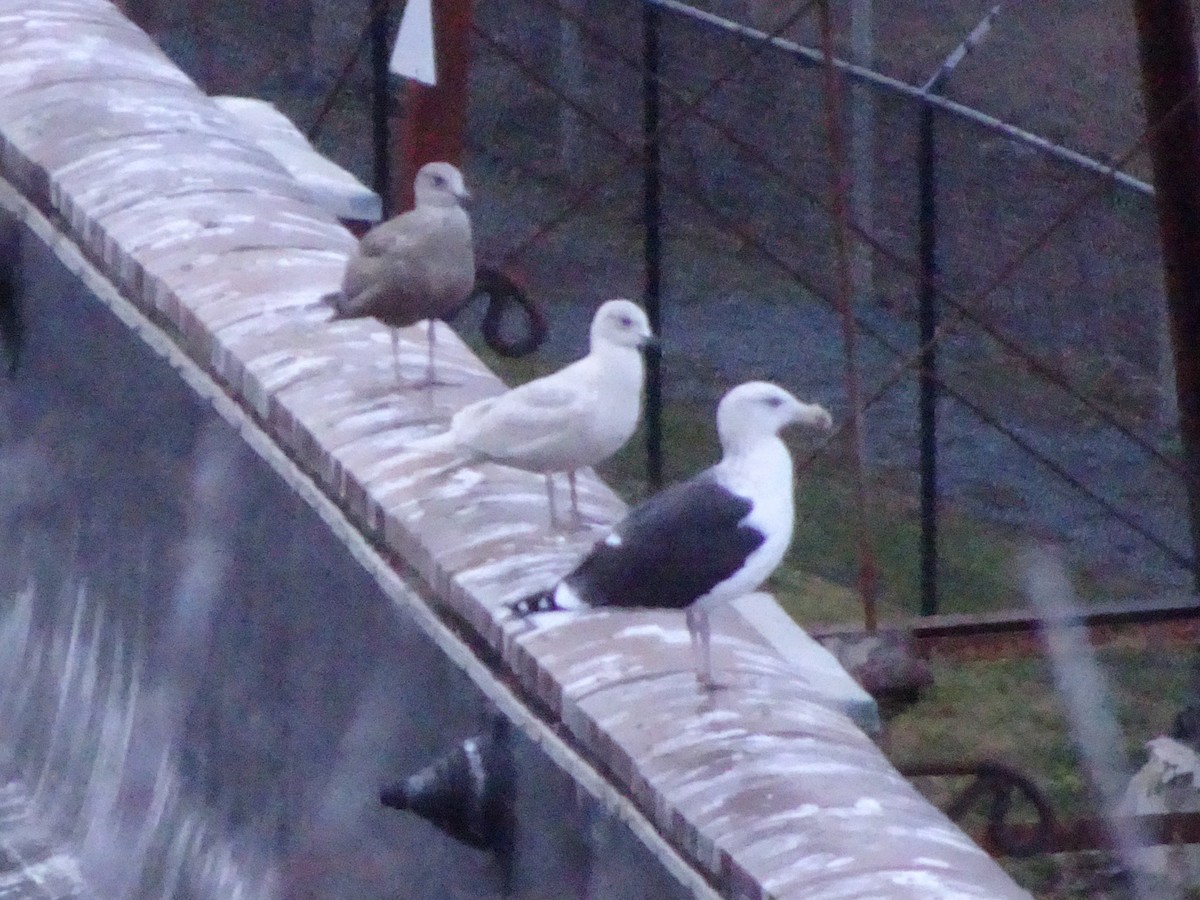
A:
{"x":887,"y":84}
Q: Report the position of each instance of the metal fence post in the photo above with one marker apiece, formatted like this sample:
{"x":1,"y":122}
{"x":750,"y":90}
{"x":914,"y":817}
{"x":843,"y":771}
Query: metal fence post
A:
{"x":652,"y":247}
{"x":928,"y":317}
{"x":380,"y":97}
{"x":928,"y":314}
{"x":1167,"y":53}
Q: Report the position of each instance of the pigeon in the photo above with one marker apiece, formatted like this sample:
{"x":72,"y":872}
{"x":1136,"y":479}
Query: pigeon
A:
{"x":418,"y":265}
{"x":578,"y":416}
{"x":704,"y":541}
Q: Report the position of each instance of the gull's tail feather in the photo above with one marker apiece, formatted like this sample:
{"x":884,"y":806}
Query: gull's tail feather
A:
{"x":535,"y":603}
{"x":445,"y":442}
{"x":336,"y":301}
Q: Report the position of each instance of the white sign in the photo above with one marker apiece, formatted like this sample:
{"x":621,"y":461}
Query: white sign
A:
{"x":412,"y":56}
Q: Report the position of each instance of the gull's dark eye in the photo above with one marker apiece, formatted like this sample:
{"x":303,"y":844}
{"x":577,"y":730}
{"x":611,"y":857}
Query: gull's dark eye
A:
{"x":626,"y":322}
{"x":439,"y":180}
{"x":774,"y":402}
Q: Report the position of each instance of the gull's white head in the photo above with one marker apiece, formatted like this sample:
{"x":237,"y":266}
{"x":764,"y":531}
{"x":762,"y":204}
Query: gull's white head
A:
{"x":439,"y":184}
{"x":621,"y":323}
{"x":758,"y":409}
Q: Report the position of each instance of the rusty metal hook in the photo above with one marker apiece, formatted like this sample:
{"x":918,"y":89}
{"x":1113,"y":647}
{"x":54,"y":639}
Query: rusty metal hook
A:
{"x":504,"y":292}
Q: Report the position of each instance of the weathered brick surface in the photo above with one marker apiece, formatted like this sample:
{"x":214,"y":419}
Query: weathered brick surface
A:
{"x":768,"y":788}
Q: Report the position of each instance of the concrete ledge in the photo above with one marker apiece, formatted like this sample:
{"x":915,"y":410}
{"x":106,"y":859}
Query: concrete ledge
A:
{"x":328,"y":184}
{"x":767,"y":786}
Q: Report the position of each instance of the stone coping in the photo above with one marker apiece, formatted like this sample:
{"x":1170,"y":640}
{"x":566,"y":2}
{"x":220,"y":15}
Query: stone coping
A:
{"x":767,"y":786}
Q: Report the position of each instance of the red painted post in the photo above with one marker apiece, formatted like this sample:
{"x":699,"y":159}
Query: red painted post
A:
{"x":1167,"y":53}
{"x":435,"y":117}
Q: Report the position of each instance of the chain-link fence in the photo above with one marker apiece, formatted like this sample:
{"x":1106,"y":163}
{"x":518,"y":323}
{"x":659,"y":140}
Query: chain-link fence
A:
{"x":1055,"y":417}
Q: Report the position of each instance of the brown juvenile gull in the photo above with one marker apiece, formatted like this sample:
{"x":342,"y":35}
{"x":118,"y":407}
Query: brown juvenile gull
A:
{"x":578,"y":416}
{"x":418,"y":265}
{"x":705,"y":541}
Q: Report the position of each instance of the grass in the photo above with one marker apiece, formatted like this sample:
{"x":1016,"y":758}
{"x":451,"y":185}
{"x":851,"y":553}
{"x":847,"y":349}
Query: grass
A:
{"x":979,"y":695}
{"x":1009,"y":710}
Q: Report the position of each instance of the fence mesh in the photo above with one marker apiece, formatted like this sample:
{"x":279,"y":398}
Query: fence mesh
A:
{"x":554,"y":156}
